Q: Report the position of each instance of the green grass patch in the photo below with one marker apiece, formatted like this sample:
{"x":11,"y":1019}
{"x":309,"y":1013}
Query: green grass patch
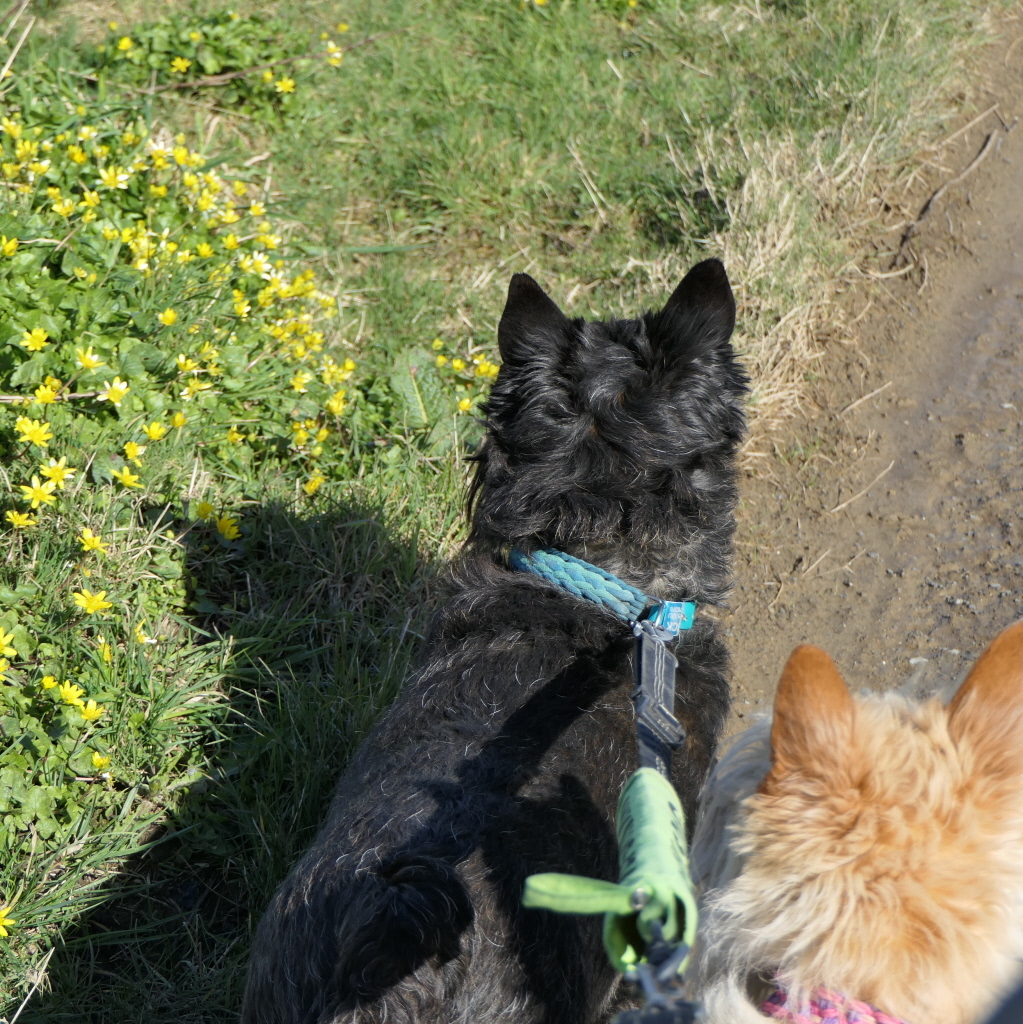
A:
{"x":251,"y":268}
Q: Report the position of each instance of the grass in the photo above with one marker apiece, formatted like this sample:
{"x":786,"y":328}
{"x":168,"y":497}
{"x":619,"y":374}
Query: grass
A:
{"x":602,"y":149}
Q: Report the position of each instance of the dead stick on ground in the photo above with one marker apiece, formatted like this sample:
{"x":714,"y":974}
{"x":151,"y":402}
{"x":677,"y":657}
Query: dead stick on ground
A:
{"x":865,"y":398}
{"x":806,"y":572}
{"x":17,"y":47}
{"x":989,"y":144}
{"x":845,"y":504}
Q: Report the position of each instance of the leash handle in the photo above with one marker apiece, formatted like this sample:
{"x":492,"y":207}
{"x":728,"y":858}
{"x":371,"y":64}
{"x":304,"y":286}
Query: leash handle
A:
{"x":653,"y":902}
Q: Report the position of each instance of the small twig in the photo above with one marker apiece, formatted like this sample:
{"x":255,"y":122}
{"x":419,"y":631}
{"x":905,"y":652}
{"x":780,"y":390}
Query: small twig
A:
{"x":1008,"y":52}
{"x":845,"y":504}
{"x":777,"y":597}
{"x":40,"y":974}
{"x":966,"y":127}
{"x":17,"y":47}
{"x":865,"y":398}
{"x":891,"y":273}
{"x":22,"y":6}
{"x":806,"y":572}
{"x":989,"y":144}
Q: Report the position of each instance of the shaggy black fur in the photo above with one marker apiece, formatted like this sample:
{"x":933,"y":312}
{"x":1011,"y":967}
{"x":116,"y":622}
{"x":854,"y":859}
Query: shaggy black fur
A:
{"x":508,"y":747}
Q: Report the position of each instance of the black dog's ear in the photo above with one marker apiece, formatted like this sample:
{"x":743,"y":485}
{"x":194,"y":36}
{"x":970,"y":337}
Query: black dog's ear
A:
{"x":700,"y":315}
{"x":531,"y":319}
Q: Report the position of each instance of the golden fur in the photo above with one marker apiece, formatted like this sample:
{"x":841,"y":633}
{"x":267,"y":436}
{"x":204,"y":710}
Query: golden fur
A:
{"x":875,"y":846}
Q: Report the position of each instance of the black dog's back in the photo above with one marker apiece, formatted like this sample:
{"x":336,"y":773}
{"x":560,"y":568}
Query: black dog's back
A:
{"x":507,"y":750}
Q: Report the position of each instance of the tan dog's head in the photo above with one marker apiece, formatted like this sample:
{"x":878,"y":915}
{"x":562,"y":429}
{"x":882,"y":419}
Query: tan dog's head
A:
{"x":883,"y":852}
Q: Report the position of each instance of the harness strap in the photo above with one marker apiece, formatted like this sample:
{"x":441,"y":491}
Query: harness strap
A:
{"x":653,"y":623}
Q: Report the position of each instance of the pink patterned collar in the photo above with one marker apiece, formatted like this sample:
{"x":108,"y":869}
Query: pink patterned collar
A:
{"x":824,"y":1007}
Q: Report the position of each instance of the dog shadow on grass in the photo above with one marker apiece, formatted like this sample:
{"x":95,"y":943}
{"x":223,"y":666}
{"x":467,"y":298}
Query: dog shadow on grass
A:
{"x":316,"y":618}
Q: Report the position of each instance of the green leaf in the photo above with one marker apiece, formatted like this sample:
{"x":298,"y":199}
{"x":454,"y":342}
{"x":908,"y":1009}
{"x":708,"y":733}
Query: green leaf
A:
{"x":24,"y":643}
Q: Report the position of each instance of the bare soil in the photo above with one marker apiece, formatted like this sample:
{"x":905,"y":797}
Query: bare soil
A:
{"x":892,"y":531}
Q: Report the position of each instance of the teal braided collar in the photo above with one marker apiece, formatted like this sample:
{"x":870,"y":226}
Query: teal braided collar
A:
{"x":594,"y":584}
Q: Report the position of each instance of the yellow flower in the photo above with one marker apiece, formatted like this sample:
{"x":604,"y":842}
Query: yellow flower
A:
{"x":90,"y":198}
{"x":437,"y":344}
{"x":204,"y":510}
{"x":204,"y":249}
{"x":129,"y":138}
{"x":228,"y":527}
{"x":91,"y":711}
{"x":180,"y":154}
{"x":124,"y":44}
{"x":268,"y":76}
{"x":180,"y":65}
{"x":5,"y":644}
{"x":92,"y":542}
{"x":21,"y":520}
{"x":92,"y":603}
{"x":257,"y":210}
{"x":441,"y":360}
{"x":178,"y":419}
{"x":195,"y":36}
{"x":114,"y":177}
{"x":99,"y":761}
{"x":133,"y":452}
{"x":186,"y":365}
{"x":5,"y":920}
{"x":335,"y":405}
{"x":106,"y":652}
{"x":312,"y":485}
{"x":231,"y":241}
{"x":113,"y":393}
{"x":33,"y":431}
{"x":49,"y":682}
{"x":464,"y":404}
{"x":334,"y":60}
{"x":109,"y":234}
{"x":168,"y":317}
{"x":193,"y":388}
{"x":58,"y":472}
{"x":154,"y":431}
{"x":86,"y":358}
{"x":159,"y":191}
{"x":299,"y":381}
{"x":38,"y":493}
{"x":126,"y":477}
{"x":285,"y":85}
{"x":45,"y":394}
{"x":34,"y":340}
{"x":458,"y":364}
{"x":234,"y":435}
{"x":71,"y":694}
{"x":8,"y":246}
{"x":12,"y":128}
{"x":64,"y":208}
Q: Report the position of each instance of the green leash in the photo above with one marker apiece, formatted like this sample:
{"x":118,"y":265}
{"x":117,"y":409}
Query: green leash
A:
{"x":650,"y":915}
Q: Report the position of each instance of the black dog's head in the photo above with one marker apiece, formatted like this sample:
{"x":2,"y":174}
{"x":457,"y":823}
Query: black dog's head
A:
{"x":616,"y":441}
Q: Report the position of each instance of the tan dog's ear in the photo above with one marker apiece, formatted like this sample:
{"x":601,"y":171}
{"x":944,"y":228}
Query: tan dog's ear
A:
{"x":987,"y":710}
{"x":813,"y":717}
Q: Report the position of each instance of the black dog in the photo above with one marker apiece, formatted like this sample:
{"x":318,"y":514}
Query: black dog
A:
{"x":506,"y":752}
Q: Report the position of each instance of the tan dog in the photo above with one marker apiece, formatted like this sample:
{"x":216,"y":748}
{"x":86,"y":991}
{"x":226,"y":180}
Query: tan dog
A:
{"x":869,"y":845}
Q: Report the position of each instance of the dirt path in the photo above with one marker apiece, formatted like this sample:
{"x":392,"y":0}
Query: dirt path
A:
{"x":927,"y":561}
